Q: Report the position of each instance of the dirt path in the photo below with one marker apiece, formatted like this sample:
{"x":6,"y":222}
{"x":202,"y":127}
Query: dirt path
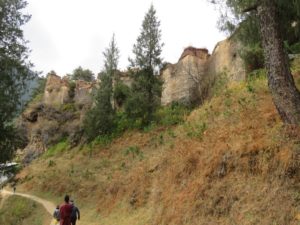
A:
{"x":49,"y":206}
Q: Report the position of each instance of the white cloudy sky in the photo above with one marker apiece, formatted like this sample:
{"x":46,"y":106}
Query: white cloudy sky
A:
{"x":65,"y":34}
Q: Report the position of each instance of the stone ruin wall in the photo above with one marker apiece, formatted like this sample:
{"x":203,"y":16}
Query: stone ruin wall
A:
{"x":190,"y":79}
{"x":225,"y":58}
{"x":57,"y":91}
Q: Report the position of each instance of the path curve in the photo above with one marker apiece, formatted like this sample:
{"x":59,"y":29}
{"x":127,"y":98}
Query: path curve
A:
{"x":49,"y":206}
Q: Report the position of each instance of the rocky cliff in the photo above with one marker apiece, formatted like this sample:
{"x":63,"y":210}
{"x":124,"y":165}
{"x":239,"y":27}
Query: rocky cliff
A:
{"x":56,"y":116}
{"x":59,"y":91}
{"x":226,"y":58}
{"x":190,"y":79}
{"x":187,"y":80}
{"x":59,"y":114}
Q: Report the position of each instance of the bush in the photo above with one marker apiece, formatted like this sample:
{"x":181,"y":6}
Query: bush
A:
{"x":123,"y":123}
{"x":195,"y":130}
{"x":172,"y":115}
{"x":295,"y":48}
{"x":292,"y":49}
{"x":72,"y":86}
{"x":253,"y":57}
{"x":121,"y":93}
{"x":82,"y":74}
{"x":257,"y":74}
{"x":68,"y":107}
{"x":220,"y":84}
{"x":103,"y":140}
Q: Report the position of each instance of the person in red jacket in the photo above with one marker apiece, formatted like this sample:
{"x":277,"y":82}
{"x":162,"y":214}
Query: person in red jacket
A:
{"x":65,"y":212}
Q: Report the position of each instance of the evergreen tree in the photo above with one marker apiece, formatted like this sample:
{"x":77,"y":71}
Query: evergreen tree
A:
{"x":111,"y":58}
{"x":14,"y":71}
{"x":273,"y":24}
{"x":146,"y":88}
{"x":148,"y":48}
{"x":82,"y":74}
{"x":100,"y":119}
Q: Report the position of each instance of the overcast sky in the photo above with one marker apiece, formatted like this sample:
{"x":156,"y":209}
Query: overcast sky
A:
{"x":65,"y":34}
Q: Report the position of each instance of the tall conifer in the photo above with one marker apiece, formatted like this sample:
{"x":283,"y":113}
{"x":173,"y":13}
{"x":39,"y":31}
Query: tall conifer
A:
{"x":100,"y":119}
{"x":146,"y":88}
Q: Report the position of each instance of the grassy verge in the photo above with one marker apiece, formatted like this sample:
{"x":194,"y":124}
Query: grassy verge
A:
{"x":21,"y":211}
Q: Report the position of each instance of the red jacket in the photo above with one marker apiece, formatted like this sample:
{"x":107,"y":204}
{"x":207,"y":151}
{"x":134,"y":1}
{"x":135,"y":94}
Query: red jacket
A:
{"x":65,"y":214}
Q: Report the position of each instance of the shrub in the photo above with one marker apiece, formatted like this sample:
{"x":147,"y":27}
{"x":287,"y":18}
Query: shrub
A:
{"x":121,"y":93}
{"x":295,"y":48}
{"x":82,"y":74}
{"x":123,"y":123}
{"x":69,"y":107}
{"x":172,"y":115}
{"x":195,"y":130}
{"x":253,"y":57}
{"x":103,"y":140}
{"x":72,"y":86}
{"x":220,"y":84}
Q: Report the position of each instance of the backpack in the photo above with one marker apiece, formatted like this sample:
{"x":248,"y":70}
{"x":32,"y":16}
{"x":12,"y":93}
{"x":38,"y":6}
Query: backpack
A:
{"x":56,"y":214}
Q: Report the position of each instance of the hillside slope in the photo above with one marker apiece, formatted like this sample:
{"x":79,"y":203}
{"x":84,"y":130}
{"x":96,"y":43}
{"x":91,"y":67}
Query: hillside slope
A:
{"x":231,"y":162}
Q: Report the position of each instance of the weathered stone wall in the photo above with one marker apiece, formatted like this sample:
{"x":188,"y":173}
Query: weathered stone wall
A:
{"x":190,"y":79}
{"x":186,"y":81}
{"x":125,"y":78}
{"x":56,"y":91}
{"x":225,"y":58}
{"x":83,"y":92}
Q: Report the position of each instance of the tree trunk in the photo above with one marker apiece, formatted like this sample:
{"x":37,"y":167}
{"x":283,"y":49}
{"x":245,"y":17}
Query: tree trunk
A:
{"x":285,"y":95}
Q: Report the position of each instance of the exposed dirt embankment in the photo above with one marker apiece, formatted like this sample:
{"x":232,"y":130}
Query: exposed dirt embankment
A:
{"x":231,"y":162}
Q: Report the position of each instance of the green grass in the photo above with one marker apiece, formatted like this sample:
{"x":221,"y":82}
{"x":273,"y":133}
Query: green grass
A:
{"x":56,"y":149}
{"x":21,"y":211}
{"x":134,"y":151}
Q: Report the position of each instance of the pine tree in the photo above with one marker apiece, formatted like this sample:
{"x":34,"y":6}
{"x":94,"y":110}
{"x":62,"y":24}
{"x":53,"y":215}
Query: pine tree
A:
{"x":111,"y":56}
{"x":82,"y":74}
{"x":14,"y":70}
{"x":146,"y":88}
{"x":147,"y":49}
{"x":100,"y":119}
{"x":274,"y":23}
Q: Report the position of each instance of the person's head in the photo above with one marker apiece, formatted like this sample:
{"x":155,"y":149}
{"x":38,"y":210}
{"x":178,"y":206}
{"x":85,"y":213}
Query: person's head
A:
{"x":57,"y":207}
{"x":67,"y":198}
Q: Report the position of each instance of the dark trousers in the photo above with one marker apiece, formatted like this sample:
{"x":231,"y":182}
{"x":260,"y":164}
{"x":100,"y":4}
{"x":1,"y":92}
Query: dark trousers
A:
{"x":73,"y":221}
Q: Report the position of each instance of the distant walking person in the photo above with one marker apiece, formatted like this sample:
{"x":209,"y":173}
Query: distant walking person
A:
{"x":56,"y":215}
{"x":65,"y":212}
{"x":14,"y":189}
{"x":75,"y":213}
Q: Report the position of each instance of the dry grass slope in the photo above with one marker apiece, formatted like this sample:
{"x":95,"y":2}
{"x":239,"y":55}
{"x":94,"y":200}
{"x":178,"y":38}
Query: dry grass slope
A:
{"x":231,"y":162}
